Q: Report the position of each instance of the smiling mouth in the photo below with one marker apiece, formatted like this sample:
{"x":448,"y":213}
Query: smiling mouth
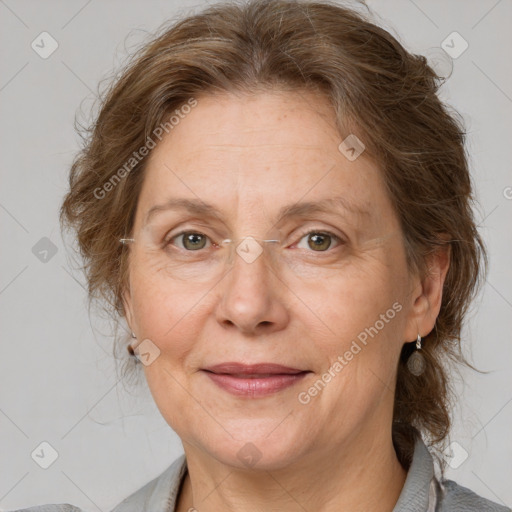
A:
{"x":254,"y":375}
{"x":258,"y":369}
{"x":253,"y":385}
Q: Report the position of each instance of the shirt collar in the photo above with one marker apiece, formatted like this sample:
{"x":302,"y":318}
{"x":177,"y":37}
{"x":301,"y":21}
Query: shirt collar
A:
{"x":418,"y":493}
{"x":419,"y":489}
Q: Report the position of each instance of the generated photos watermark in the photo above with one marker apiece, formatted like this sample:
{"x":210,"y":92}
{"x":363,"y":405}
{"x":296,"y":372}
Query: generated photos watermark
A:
{"x":304,"y":397}
{"x":143,"y":151}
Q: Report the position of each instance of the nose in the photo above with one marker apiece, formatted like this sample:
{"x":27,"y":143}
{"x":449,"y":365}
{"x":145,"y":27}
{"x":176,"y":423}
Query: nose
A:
{"x":252,"y":298}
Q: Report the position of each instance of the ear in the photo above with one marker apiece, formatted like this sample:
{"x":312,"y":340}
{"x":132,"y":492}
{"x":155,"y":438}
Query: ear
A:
{"x":427,"y":294}
{"x":127,"y":305}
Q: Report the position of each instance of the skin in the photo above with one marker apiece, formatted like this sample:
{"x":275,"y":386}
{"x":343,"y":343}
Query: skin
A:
{"x":249,"y":155}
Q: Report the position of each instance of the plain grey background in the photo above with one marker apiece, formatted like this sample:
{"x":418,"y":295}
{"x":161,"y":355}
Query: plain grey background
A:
{"x":59,"y":383}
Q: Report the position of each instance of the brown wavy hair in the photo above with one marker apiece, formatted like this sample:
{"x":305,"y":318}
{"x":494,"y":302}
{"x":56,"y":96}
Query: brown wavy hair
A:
{"x":379,"y":90}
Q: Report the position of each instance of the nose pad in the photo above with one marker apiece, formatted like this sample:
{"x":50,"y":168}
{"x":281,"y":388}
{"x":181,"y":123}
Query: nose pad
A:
{"x":248,"y":248}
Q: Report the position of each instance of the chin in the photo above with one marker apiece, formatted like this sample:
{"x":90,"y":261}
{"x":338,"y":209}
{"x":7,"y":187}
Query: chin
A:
{"x":264,"y":449}
{"x":255,"y":457}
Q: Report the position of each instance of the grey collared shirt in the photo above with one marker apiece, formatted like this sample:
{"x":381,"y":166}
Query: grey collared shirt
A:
{"x":421,"y":492}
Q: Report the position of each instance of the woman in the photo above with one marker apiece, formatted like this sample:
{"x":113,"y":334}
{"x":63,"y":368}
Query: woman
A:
{"x":277,"y":203}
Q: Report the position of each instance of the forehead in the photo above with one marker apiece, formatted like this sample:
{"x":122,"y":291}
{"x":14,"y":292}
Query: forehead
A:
{"x":235,"y":118}
{"x":263,"y":127}
{"x":250,"y":151}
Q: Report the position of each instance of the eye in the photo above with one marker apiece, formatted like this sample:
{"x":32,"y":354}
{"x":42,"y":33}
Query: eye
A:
{"x":190,"y":240}
{"x":319,"y":241}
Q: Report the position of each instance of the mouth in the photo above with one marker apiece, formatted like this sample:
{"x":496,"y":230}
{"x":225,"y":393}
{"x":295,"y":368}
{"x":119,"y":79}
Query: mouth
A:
{"x":256,"y":380}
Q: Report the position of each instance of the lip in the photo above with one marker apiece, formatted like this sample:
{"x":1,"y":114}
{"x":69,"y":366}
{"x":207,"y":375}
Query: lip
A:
{"x":254,"y":380}
{"x":234,"y":368}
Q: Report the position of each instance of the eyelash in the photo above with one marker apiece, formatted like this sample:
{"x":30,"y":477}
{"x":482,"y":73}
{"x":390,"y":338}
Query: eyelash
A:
{"x":341,"y":241}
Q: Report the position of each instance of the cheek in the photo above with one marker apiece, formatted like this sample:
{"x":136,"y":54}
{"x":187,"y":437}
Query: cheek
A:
{"x":166,"y":312}
{"x":361,"y":324}
{"x":355,"y":304}
{"x":357,"y":330}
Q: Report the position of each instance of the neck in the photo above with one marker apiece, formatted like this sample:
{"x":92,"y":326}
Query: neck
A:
{"x":364,"y":475}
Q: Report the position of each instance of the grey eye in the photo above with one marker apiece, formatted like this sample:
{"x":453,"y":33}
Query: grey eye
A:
{"x":192,"y":241}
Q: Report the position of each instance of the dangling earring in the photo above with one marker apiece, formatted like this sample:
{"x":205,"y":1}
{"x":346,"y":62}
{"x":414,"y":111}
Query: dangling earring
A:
{"x":416,"y":363}
{"x":129,"y":347}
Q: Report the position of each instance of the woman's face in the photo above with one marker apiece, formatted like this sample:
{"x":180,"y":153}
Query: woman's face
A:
{"x":332,"y":299}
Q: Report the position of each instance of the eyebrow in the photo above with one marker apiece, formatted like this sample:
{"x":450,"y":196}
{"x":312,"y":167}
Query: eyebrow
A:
{"x":200,"y":208}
